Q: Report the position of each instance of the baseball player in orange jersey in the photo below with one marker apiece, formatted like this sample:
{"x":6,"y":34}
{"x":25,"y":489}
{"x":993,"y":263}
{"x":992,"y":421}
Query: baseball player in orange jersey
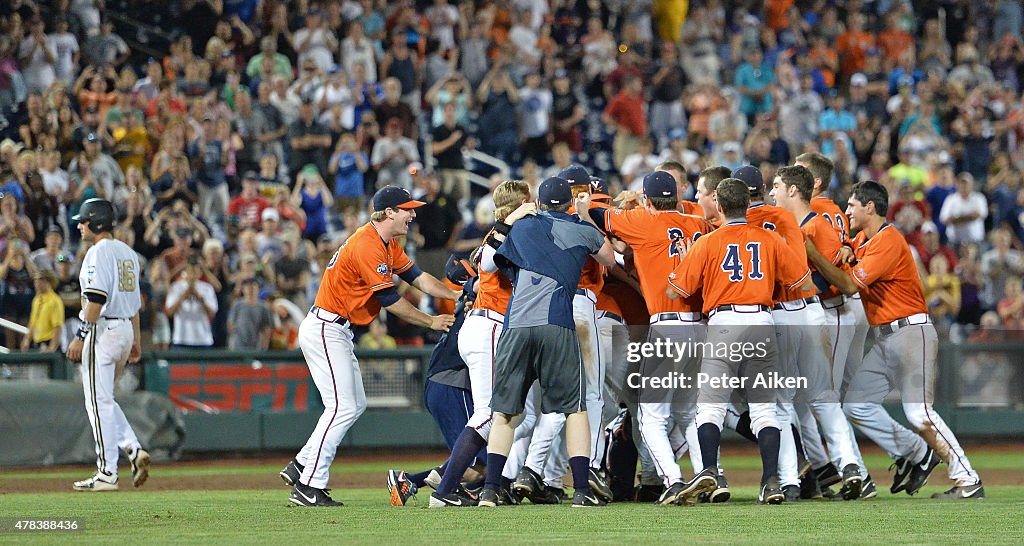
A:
{"x":903,"y":354}
{"x":546,"y":441}
{"x":789,"y":311}
{"x":678,"y":173}
{"x":819,"y":403}
{"x":656,"y":231}
{"x":736,"y":269}
{"x":356,"y":285}
{"x":707,"y":183}
{"x":844,"y":314}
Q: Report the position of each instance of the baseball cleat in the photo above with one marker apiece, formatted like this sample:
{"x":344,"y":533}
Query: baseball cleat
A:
{"x":827,"y":475}
{"x":671,"y":495}
{"x":961,"y":492}
{"x":770,"y":492}
{"x":809,"y":487}
{"x":456,"y":499}
{"x":868,"y":490}
{"x":791,"y":493}
{"x":903,"y":467}
{"x":721,"y":492}
{"x":704,"y":482}
{"x":433,"y":479}
{"x":599,"y":486}
{"x":291,"y":472}
{"x":507,"y":498}
{"x":400,"y":489}
{"x":580,"y":500}
{"x":921,"y":471}
{"x":96,"y":484}
{"x":548,"y":495}
{"x":527,"y":483}
{"x":304,"y":495}
{"x":140,"y":460}
{"x":852,"y":482}
{"x":648,"y":492}
{"x":488,"y":498}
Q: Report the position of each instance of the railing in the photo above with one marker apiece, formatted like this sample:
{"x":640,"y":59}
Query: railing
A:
{"x":9,"y":325}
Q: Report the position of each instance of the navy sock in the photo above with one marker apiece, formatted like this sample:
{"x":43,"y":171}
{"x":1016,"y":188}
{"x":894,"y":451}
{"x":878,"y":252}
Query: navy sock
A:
{"x":710,"y":437}
{"x":800,"y":453}
{"x":495,"y":464}
{"x":463,"y":452}
{"x":419,"y":478}
{"x":743,"y":427}
{"x":768,"y":440}
{"x":580,"y":467}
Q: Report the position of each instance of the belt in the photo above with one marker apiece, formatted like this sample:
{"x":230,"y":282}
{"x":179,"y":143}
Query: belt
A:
{"x":327,"y":316}
{"x":114,"y":318}
{"x":912,"y":320}
{"x":610,"y":315}
{"x":832,"y":303}
{"x":752,"y":308}
{"x":588,"y":293}
{"x":681,"y":317}
{"x":795,"y":305}
{"x":487,"y":313}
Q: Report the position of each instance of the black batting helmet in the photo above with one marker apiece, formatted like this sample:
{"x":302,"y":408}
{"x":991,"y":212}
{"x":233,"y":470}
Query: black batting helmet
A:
{"x":98,"y":213}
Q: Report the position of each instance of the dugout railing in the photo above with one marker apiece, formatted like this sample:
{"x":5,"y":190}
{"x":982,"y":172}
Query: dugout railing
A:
{"x":248,"y":400}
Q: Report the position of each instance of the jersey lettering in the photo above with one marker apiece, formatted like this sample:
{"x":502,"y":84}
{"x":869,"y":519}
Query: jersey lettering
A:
{"x":126,"y":275}
{"x":769,"y":226}
{"x":676,"y":239}
{"x":733,"y":265}
{"x":334,"y":259}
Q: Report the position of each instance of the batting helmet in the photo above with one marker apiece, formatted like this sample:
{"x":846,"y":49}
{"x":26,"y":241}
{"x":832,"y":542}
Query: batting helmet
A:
{"x":98,"y":213}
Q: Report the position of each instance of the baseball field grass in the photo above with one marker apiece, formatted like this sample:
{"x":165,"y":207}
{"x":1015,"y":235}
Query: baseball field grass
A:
{"x":194,"y":504}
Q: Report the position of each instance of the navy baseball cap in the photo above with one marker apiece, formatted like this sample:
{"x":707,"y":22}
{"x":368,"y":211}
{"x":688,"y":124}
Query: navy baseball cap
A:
{"x":751,"y":176}
{"x":91,"y":137}
{"x":659,"y":184}
{"x":393,"y":197}
{"x":576,"y":175}
{"x":599,"y":188}
{"x":555,"y":191}
{"x":458,"y":270}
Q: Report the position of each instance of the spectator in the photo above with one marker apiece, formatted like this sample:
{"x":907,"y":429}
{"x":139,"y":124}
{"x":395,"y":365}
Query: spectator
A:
{"x":248,"y":206}
{"x":191,"y":304}
{"x":799,"y":114}
{"x":438,"y":225}
{"x":929,"y":246}
{"x":46,"y":320}
{"x":448,"y":139}
{"x":625,"y":114}
{"x":1011,"y":307}
{"x":942,"y":292}
{"x":726,"y":124}
{"x":268,"y":239}
{"x":999,"y":264}
{"x":499,"y":98}
{"x":357,"y":50}
{"x":249,"y":321}
{"x":13,"y":224}
{"x":639,"y":164}
{"x":399,"y":63}
{"x":17,"y":291}
{"x":309,"y":141}
{"x":268,"y":49}
{"x":38,"y":55}
{"x":45,"y":259}
{"x":668,"y":83}
{"x":106,"y":48}
{"x":392,"y":155}
{"x":70,"y":291}
{"x":106,"y":172}
{"x":964,"y":213}
{"x":534,"y":105}
{"x":176,"y":184}
{"x":853,"y":45}
{"x":393,"y":107}
{"x":314,"y":199}
{"x":210,"y":153}
{"x":315,"y":41}
{"x":753,"y":81}
{"x":377,"y":338}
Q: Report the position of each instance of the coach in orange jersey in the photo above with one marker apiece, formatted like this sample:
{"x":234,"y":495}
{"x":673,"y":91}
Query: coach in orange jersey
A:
{"x":735,"y":269}
{"x":904,"y":353}
{"x":357,"y":283}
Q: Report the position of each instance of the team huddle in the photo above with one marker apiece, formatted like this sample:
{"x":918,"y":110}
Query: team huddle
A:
{"x":531,"y":369}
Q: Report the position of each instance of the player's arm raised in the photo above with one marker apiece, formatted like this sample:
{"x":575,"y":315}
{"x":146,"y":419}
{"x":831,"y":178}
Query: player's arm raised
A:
{"x":835,"y":276}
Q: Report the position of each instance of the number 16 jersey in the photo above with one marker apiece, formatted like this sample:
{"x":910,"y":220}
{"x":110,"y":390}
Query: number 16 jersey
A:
{"x":111,"y":269}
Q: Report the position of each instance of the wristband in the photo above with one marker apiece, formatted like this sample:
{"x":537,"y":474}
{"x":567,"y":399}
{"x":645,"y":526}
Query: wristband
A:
{"x":502,"y":228}
{"x":84,"y":330}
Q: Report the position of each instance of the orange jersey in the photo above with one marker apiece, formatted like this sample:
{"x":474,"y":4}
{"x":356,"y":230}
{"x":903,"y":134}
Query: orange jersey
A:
{"x":689,"y":207}
{"x":606,"y":302}
{"x":823,"y":234}
{"x":362,"y":266}
{"x":630,"y":304}
{"x":782,"y":222}
{"x":887,"y":277}
{"x":655,"y":239}
{"x":494,"y":290}
{"x":829,"y":210}
{"x":592,"y":277}
{"x":443,"y":306}
{"x":738,"y":264}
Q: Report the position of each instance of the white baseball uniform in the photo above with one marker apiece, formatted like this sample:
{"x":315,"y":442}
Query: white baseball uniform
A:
{"x":110,"y":269}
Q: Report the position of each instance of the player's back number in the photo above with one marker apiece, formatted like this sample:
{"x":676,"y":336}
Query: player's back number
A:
{"x":734,"y":265}
{"x":126,"y":275}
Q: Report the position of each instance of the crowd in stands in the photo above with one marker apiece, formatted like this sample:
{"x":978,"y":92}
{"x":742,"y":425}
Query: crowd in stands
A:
{"x":240,"y":139}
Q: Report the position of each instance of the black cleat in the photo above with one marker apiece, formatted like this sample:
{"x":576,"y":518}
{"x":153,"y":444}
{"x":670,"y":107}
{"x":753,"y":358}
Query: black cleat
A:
{"x":671,"y":495}
{"x":580,"y":500}
{"x":648,"y":492}
{"x":791,"y":492}
{"x":827,"y":475}
{"x":304,"y":495}
{"x":291,"y":472}
{"x":770,"y":492}
{"x":721,"y":492}
{"x":852,"y":482}
{"x":903,"y":467}
{"x":507,"y":497}
{"x":400,"y":489}
{"x":455,"y":499}
{"x":809,"y":488}
{"x":488,"y":498}
{"x":704,"y":482}
{"x":962,"y":492}
{"x":868,"y":490}
{"x":921,"y":471}
{"x":528,"y":484}
{"x":599,"y":486}
{"x":548,"y":495}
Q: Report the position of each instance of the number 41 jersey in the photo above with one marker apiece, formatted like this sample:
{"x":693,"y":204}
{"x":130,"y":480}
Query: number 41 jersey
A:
{"x":111,"y":268}
{"x":658,"y":240}
{"x":738,"y":264}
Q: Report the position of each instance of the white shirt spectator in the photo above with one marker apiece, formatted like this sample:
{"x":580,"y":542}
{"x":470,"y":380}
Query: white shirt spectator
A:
{"x":443,"y":18}
{"x":361,"y":52}
{"x":66,"y":46}
{"x":319,"y":46}
{"x":37,"y":72}
{"x":636,"y":166}
{"x":88,"y":15}
{"x":191,"y":323}
{"x":393,"y":167}
{"x":535,"y":106}
{"x":957,"y":205}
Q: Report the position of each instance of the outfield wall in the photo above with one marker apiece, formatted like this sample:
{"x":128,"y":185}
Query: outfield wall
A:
{"x":240,"y":401}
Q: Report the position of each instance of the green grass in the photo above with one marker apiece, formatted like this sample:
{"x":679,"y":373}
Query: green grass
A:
{"x":264,"y":516}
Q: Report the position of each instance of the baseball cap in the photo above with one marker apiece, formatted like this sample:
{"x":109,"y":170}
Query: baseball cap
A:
{"x":732,"y":146}
{"x":858,"y":79}
{"x":91,"y":137}
{"x":270,"y":214}
{"x":751,"y":176}
{"x":65,"y":258}
{"x":55,"y":229}
{"x":250,"y":176}
{"x":393,"y":197}
{"x":659,"y":184}
{"x":599,"y":188}
{"x":575,"y":175}
{"x":561,"y":73}
{"x":310,"y":169}
{"x":556,"y":191}
{"x":92,"y":109}
{"x":677,"y":134}
{"x":458,"y":270}
{"x":929,"y":227}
